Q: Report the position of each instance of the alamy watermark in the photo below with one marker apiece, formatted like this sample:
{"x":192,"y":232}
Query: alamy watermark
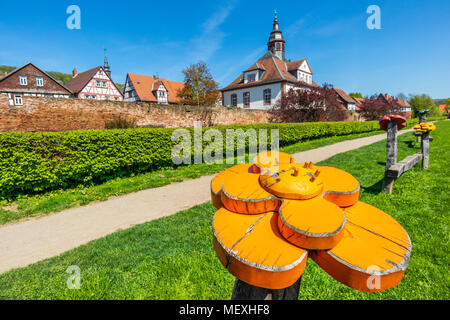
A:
{"x":74,"y":280}
{"x":74,"y":20}
{"x":374,"y":20}
{"x":190,"y":149}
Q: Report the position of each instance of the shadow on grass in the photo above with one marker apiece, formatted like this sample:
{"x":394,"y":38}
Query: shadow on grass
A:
{"x":373,"y":189}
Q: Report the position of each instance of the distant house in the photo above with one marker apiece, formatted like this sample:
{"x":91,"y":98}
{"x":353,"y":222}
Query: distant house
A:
{"x":263,"y":83}
{"x":29,"y":80}
{"x":348,"y":104}
{"x":444,"y":108}
{"x":404,"y":108}
{"x":95,"y":83}
{"x":151,"y":89}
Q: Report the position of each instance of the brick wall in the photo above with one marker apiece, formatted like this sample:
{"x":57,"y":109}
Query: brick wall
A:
{"x":50,"y":114}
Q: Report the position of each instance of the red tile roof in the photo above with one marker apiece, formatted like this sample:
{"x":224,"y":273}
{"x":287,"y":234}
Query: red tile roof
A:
{"x":146,"y":85}
{"x":444,"y":107}
{"x":344,"y":96}
{"x":275,"y":69}
{"x":77,"y":83}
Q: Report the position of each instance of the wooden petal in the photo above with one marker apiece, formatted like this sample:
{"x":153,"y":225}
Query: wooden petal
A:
{"x":217,"y":181}
{"x":244,"y":194}
{"x":264,"y":162}
{"x":311,"y":224}
{"x":373,"y":253}
{"x":252,"y":249}
{"x":340,"y":187}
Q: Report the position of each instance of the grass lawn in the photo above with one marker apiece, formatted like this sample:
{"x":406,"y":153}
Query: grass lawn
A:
{"x":173,"y":257}
{"x":29,"y":206}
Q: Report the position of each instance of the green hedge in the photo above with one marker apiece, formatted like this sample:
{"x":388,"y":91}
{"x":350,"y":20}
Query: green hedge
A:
{"x":37,"y":162}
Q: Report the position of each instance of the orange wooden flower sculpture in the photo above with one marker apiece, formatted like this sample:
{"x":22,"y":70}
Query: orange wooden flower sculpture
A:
{"x":275,"y":213}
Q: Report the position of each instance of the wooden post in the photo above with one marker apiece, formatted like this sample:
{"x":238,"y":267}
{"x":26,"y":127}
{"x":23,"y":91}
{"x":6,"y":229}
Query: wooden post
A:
{"x":422,"y":118}
{"x":245,"y":291}
{"x":391,"y":156}
{"x":426,"y":150}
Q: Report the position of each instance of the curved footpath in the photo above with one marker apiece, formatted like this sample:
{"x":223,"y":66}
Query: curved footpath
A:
{"x":33,"y":240}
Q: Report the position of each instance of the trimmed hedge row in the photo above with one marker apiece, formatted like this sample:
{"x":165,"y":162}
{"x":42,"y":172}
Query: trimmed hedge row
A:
{"x":37,"y":162}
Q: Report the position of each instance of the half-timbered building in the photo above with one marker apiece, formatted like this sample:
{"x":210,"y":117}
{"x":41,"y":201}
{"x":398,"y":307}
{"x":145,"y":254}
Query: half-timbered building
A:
{"x":95,"y":83}
{"x":151,"y":89}
{"x":29,"y":80}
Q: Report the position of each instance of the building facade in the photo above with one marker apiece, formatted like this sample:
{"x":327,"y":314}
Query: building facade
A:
{"x":151,"y":89}
{"x":29,"y":80}
{"x":261,"y":85}
{"x":95,"y":83}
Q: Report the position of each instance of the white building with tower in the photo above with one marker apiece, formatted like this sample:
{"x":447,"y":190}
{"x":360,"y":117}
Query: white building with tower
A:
{"x":263,"y":83}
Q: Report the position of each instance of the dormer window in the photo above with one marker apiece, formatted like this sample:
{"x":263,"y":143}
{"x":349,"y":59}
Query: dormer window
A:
{"x":251,"y":77}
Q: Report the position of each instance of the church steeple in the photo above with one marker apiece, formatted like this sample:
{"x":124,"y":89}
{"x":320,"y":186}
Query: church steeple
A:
{"x":106,"y":66}
{"x":276,"y":44}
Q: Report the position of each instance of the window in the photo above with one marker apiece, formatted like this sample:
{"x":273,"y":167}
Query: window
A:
{"x":98,"y":83}
{"x":18,"y":100}
{"x":105,"y":84}
{"x":267,"y":97}
{"x":234,"y":100}
{"x":246,"y":99}
{"x":39,"y":81}
{"x":251,"y":77}
{"x":23,"y":80}
{"x":94,"y":97}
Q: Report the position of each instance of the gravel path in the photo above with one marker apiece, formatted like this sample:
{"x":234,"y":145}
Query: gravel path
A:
{"x":33,"y":240}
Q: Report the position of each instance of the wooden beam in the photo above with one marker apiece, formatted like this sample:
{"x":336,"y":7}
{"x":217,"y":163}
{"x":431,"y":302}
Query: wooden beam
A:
{"x":245,"y":291}
{"x":426,"y":150}
{"x":401,"y":167}
{"x":391,"y":156}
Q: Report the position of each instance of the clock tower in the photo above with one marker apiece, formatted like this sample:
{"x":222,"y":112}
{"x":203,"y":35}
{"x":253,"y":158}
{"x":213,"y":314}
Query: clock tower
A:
{"x":276,"y":44}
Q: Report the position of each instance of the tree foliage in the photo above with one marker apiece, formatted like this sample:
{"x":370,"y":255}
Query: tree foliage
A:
{"x":374,"y":108}
{"x":422,"y":101}
{"x":310,"y":104}
{"x":356,"y":95}
{"x":200,"y":87}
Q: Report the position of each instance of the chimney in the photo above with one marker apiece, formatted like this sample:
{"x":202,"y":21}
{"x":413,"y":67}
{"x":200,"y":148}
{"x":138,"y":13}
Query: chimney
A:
{"x":5,"y":74}
{"x":74,"y":72}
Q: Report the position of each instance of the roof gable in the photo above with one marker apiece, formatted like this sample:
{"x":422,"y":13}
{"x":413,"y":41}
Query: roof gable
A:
{"x":146,"y":85}
{"x":40,"y":70}
{"x":276,"y":70}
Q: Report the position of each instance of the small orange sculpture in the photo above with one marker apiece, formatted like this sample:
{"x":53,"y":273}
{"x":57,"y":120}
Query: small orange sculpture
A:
{"x":275,"y":213}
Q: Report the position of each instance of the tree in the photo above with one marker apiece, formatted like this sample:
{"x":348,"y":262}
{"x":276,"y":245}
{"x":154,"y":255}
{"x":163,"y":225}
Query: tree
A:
{"x":374,"y":108}
{"x":356,"y":95}
{"x":308,"y":105}
{"x":421,"y":102}
{"x":200,"y":88}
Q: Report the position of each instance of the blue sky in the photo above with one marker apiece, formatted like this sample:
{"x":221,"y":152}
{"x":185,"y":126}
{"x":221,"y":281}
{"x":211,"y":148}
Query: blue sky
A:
{"x":410,"y":54}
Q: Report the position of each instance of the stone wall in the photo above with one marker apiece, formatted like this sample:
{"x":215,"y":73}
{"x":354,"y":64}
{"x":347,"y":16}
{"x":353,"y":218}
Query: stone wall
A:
{"x":50,"y":114}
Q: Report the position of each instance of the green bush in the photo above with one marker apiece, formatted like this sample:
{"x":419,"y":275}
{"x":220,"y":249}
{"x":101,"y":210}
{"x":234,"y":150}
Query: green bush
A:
{"x":36,"y":162}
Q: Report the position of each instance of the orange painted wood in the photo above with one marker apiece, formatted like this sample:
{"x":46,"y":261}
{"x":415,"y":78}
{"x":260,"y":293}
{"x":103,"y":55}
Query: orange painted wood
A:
{"x":253,"y":250}
{"x":245,"y":195}
{"x":269,"y":161}
{"x":311,"y":224}
{"x":340,"y":187}
{"x":373,"y":253}
{"x":294,"y":182}
{"x":217,"y":181}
